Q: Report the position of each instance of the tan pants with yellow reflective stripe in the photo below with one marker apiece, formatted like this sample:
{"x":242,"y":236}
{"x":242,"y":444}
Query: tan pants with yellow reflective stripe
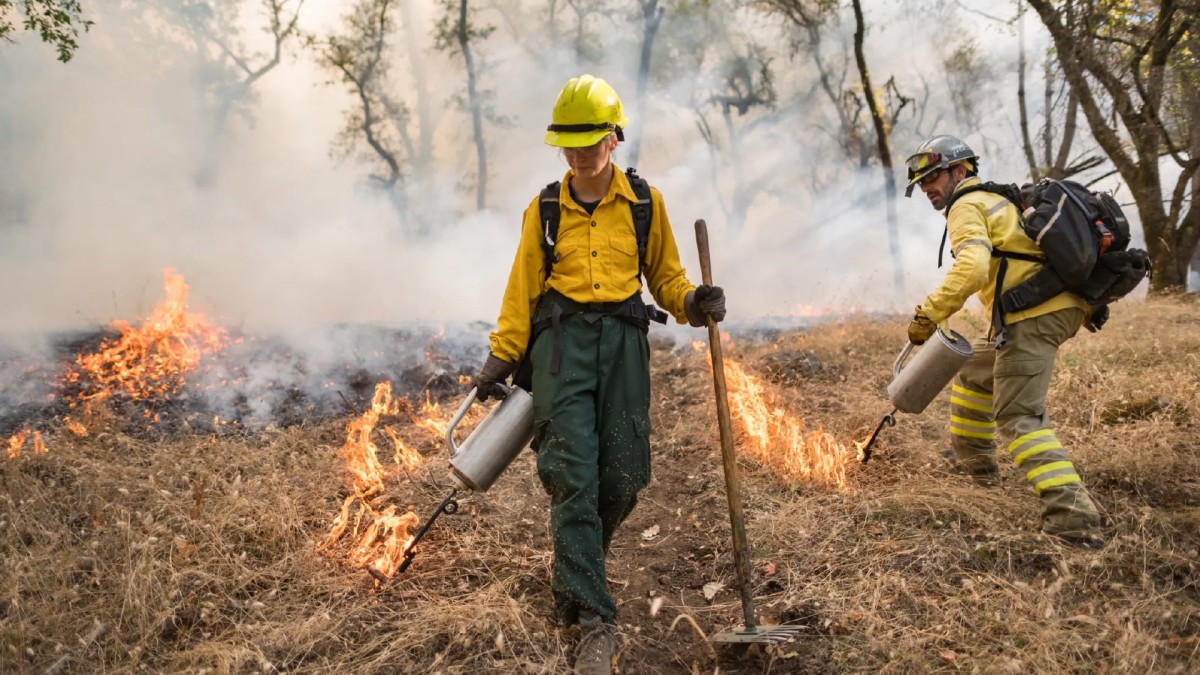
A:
{"x":1005,"y":391}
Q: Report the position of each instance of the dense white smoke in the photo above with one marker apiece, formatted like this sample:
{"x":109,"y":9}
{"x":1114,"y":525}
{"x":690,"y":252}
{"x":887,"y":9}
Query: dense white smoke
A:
{"x":103,"y":152}
{"x":112,"y":170}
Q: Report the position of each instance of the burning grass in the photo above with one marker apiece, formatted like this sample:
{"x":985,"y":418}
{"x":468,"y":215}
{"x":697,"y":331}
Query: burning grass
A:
{"x":198,"y":552}
{"x":151,"y":360}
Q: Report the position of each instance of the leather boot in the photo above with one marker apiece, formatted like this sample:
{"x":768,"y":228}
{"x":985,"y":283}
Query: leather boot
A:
{"x":595,"y":651}
{"x":981,"y":467}
{"x":1071,"y":515}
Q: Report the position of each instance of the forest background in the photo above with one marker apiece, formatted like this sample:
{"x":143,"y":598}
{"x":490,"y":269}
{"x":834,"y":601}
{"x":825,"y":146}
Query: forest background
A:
{"x":317,"y":161}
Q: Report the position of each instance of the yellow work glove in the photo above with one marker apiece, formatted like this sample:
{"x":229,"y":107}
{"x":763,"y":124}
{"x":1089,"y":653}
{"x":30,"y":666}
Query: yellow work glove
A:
{"x":920,"y":328}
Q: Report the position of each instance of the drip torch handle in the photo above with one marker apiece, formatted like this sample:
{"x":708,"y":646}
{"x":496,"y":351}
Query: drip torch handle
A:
{"x":900,"y":359}
{"x":462,"y":411}
{"x":458,"y":415}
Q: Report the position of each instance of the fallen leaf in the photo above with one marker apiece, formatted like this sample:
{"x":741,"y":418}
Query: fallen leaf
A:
{"x":712,"y":588}
{"x":650,"y":532}
{"x":655,"y":605}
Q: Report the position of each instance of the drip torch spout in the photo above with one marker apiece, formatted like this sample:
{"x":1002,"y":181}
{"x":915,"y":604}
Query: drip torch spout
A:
{"x":889,"y":420}
{"x":448,"y":505}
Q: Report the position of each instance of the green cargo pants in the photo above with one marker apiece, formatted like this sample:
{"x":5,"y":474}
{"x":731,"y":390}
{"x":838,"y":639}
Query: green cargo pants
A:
{"x":1006,"y":391}
{"x":592,"y":433}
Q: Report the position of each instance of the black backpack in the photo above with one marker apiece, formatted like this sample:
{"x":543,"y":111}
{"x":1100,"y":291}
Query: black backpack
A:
{"x":1084,"y":240}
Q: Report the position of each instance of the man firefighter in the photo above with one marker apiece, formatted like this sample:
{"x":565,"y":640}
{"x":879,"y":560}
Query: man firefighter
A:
{"x":573,"y":311}
{"x":1003,"y":386}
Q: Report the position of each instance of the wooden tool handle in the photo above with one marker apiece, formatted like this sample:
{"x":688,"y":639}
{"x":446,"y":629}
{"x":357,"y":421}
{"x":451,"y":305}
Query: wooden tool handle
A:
{"x":737,"y":519}
{"x":702,"y":247}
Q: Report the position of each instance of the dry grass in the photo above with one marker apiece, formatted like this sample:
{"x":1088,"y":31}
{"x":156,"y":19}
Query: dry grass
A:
{"x":196,"y":553}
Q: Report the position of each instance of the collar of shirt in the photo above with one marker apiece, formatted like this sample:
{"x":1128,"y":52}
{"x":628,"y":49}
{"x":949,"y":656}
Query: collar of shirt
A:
{"x":966,"y":182}
{"x":618,"y":186}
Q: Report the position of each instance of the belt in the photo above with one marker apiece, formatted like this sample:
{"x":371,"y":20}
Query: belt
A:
{"x":553,"y":307}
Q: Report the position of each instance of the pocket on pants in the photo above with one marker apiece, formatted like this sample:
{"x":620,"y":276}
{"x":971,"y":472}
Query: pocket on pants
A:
{"x":1022,"y":368}
{"x":1020,"y":392}
{"x":641,"y":426}
{"x":642,"y":431}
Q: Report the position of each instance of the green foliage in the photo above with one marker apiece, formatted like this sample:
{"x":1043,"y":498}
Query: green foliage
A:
{"x":454,"y":30}
{"x":58,"y":22}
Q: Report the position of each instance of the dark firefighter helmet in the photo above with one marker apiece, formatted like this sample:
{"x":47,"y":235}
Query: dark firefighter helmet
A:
{"x":935,"y":154}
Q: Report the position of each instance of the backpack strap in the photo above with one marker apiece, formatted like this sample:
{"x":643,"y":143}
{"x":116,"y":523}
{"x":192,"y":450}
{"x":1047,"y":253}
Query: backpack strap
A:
{"x":549,"y":213}
{"x":1013,"y":194}
{"x":1007,"y":190}
{"x":642,"y":211}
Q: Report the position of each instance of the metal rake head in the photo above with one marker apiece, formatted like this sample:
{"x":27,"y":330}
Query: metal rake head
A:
{"x":768,"y":634}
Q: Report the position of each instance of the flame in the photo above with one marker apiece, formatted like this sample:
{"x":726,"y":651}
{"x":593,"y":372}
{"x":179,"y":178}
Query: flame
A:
{"x":151,"y":360}
{"x":16,"y":443}
{"x":405,"y":456}
{"x":778,"y":439}
{"x":75,"y":427}
{"x":390,"y":530}
{"x":806,"y":311}
{"x":361,"y":453}
{"x":380,"y":537}
{"x":432,"y":419}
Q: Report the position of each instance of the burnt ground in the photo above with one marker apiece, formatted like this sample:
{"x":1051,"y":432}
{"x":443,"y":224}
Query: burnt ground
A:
{"x":195,"y":550}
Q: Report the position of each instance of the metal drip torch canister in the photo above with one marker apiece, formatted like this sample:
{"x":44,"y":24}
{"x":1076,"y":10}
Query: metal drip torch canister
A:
{"x":914,"y":386}
{"x":483,"y":457}
{"x":494,"y":443}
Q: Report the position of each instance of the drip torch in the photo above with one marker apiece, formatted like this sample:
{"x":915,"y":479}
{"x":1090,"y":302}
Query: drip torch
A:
{"x":913,"y":387}
{"x":482,"y":458}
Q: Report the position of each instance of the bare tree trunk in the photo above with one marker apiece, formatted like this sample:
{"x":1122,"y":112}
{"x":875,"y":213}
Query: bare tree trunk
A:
{"x":282,"y":29}
{"x":1026,"y":142}
{"x":1060,"y":170}
{"x":476,"y":106}
{"x":707,"y":133}
{"x":1135,"y":88}
{"x":421,"y":154}
{"x":885,"y":153}
{"x":1048,"y":127}
{"x":653,"y":14}
{"x":737,"y":201}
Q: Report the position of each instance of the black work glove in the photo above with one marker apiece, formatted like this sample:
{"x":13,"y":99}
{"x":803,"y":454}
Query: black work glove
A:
{"x":921,"y":328}
{"x":488,"y":381}
{"x":704,"y":302}
{"x":1096,"y":319}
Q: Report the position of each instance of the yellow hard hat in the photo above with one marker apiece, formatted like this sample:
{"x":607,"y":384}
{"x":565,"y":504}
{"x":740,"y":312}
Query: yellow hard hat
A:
{"x":587,"y":110}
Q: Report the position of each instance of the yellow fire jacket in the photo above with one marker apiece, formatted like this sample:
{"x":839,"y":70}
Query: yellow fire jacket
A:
{"x":598,"y":262}
{"x":978,"y":223}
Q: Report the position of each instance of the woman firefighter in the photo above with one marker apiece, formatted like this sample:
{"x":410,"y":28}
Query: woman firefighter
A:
{"x":573,"y":314}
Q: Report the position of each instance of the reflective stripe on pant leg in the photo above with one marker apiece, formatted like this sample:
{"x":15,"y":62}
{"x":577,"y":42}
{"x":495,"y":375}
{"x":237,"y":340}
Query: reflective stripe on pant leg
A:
{"x":972,"y":425}
{"x":1044,"y":460}
{"x":971,"y":400}
{"x":1023,"y":373}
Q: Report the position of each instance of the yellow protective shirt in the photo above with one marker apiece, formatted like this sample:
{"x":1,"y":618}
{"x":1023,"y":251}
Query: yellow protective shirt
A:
{"x":598,"y":262}
{"x":978,"y":223}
